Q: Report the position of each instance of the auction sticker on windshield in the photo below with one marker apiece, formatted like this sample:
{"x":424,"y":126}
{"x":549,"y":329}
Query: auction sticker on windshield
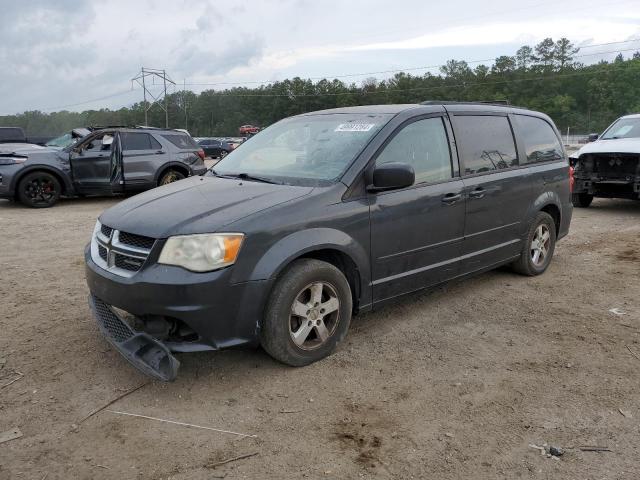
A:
{"x":355,"y":127}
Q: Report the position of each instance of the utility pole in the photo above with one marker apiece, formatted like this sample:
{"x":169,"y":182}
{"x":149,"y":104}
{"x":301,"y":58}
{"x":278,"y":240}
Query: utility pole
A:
{"x":141,"y":80}
{"x":184,"y":103}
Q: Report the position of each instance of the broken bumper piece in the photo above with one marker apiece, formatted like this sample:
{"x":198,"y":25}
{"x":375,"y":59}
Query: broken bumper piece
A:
{"x":144,"y":352}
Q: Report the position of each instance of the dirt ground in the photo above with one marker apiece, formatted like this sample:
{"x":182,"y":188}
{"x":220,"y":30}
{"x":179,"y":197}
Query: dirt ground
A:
{"x":447,"y":385}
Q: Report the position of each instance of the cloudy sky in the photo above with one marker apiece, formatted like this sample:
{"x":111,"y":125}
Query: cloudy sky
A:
{"x":77,"y":54}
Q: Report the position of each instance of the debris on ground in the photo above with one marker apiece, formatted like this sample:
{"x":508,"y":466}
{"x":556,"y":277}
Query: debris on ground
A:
{"x":234,"y":459}
{"x":625,"y":413}
{"x":119,"y":397}
{"x":10,"y":435}
{"x":617,"y":311}
{"x":556,"y":451}
{"x":632,"y":352}
{"x":589,"y":448}
{"x":548,"y":451}
{"x":20,"y":375}
{"x":181,"y":423}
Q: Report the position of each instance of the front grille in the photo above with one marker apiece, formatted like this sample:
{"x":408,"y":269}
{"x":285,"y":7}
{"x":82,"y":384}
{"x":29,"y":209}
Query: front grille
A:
{"x":128,"y":263}
{"x":121,"y":253}
{"x":138,"y":241}
{"x":114,"y":327}
{"x":106,"y":231}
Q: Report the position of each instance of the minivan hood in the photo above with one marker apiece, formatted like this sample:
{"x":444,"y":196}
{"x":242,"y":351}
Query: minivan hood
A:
{"x":615,"y":145}
{"x":196,"y":205}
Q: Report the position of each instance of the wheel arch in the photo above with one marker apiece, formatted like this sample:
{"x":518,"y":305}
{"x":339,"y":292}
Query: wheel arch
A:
{"x":336,"y":248}
{"x":548,"y":202}
{"x":181,"y":167}
{"x":553,"y":210}
{"x":65,"y":183}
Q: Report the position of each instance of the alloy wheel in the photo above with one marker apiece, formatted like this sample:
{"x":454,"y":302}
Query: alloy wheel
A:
{"x":40,"y":190}
{"x":540,"y":245}
{"x":314,"y":315}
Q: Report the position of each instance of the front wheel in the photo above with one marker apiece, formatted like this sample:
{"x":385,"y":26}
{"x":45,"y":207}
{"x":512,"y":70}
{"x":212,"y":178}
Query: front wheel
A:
{"x":308,"y":313}
{"x":581,"y":200}
{"x":539,"y":246}
{"x":39,"y":190}
{"x":170,"y":177}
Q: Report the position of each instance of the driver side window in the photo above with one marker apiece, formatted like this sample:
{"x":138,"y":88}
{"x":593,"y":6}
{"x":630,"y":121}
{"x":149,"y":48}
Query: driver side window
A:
{"x":100,"y":143}
{"x":424,"y":146}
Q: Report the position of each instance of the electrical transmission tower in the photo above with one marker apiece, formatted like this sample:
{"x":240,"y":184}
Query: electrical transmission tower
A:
{"x":143,"y":80}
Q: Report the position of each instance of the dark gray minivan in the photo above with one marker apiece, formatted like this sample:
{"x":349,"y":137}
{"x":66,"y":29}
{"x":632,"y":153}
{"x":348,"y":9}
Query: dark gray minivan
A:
{"x":321,"y":216}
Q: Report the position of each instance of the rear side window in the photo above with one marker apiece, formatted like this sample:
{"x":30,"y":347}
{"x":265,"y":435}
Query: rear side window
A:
{"x":139,"y":141}
{"x":182,"y":141}
{"x":424,"y":146}
{"x":486,"y":143}
{"x":540,"y":141}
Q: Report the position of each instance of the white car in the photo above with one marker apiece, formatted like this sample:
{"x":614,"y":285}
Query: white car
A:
{"x":610,"y":166}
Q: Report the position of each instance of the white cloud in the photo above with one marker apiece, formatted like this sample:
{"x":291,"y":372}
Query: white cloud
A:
{"x":581,"y":30}
{"x":68,"y":51}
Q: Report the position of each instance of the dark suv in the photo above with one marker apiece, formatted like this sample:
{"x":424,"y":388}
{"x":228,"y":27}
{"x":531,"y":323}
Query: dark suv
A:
{"x":107,"y":161}
{"x":321,"y":216}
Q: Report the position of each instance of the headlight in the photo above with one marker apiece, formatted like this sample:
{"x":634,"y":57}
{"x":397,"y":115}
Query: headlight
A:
{"x":202,"y":252}
{"x":12,"y":160}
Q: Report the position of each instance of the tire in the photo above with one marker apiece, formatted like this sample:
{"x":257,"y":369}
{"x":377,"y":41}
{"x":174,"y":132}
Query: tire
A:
{"x":296,"y":339}
{"x":527,"y":263}
{"x":39,"y":190}
{"x":171,"y":176}
{"x":223,"y":154}
{"x":581,"y":200}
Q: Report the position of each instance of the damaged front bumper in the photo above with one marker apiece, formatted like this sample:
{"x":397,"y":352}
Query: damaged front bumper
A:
{"x":144,"y":352}
{"x":168,"y":309}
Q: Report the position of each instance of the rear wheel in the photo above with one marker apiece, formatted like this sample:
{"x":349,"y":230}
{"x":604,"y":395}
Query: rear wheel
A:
{"x":39,"y":190}
{"x":539,"y":246}
{"x":308,"y":313}
{"x":223,"y":154}
{"x":581,"y":200}
{"x":171,"y":176}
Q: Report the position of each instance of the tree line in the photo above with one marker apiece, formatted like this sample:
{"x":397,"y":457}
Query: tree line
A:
{"x":545,"y":77}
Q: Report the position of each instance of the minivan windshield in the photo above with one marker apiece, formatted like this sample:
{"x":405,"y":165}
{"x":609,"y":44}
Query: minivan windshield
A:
{"x":309,"y":149}
{"x":623,"y":128}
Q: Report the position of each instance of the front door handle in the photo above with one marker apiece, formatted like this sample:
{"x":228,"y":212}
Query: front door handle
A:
{"x":477,"y":193}
{"x":451,"y":198}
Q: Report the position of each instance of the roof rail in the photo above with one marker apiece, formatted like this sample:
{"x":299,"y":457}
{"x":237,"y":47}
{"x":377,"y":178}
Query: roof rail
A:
{"x":145,"y":127}
{"x":502,"y":103}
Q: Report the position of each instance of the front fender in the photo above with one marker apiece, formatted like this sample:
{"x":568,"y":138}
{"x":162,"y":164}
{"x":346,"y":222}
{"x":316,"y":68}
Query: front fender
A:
{"x":64,"y":177}
{"x":297,"y":244}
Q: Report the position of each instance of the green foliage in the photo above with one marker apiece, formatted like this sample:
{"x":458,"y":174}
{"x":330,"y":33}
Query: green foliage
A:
{"x":545,"y":78}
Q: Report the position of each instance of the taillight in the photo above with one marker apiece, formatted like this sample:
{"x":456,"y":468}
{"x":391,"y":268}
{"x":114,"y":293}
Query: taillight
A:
{"x":571,"y":179}
{"x":201,"y":154}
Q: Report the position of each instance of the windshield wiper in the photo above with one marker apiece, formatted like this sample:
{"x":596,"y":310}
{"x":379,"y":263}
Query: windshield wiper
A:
{"x":246,"y":176}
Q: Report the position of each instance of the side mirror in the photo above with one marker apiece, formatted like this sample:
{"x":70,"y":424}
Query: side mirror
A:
{"x":593,"y":137}
{"x":390,"y":176}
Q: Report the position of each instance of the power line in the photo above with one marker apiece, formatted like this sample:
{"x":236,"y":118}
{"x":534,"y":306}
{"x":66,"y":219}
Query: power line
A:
{"x":410,"y":69}
{"x":460,"y":85}
{"x":88,"y":101}
{"x":339,"y":76}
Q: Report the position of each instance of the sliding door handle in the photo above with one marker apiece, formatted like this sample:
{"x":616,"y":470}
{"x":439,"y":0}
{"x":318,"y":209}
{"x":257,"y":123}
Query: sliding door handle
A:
{"x":477,"y":193}
{"x":451,"y":198}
